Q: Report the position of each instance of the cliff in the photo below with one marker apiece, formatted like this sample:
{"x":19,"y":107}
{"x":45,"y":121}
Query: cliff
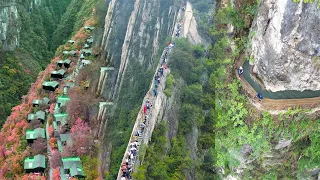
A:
{"x":9,"y":29}
{"x":285,"y":45}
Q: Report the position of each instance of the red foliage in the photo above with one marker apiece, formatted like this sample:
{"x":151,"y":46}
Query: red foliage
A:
{"x":52,"y":107}
{"x":39,"y":146}
{"x":81,"y":137}
{"x":55,"y":159}
{"x":53,"y":142}
{"x":56,"y":174}
{"x":50,"y":130}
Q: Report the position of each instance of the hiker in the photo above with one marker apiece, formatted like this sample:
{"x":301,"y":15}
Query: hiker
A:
{"x":158,"y":80}
{"x":259,"y":95}
{"x":145,"y":109}
{"x":165,"y":65}
{"x":240,"y":70}
{"x":154,"y":92}
{"x":145,"y":119}
{"x":142,"y":125}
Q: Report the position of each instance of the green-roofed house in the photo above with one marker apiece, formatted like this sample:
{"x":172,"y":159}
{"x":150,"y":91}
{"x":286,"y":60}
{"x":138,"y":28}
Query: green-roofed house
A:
{"x":63,"y":140}
{"x":61,"y":119}
{"x":86,"y":46}
{"x":90,"y":41}
{"x":36,"y":164}
{"x":66,"y":63}
{"x":90,"y":28}
{"x":50,"y":85}
{"x":32,"y":135}
{"x":72,"y":166}
{"x":58,"y":74}
{"x":40,"y":115}
{"x":86,"y":52}
{"x":61,"y":101}
{"x":71,"y":41}
{"x":38,"y":102}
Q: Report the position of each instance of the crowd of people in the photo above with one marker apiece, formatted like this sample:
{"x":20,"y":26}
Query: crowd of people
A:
{"x":131,"y":154}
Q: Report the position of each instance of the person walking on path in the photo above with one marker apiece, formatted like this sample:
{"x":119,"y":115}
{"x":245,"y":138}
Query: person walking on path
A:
{"x":145,"y":109}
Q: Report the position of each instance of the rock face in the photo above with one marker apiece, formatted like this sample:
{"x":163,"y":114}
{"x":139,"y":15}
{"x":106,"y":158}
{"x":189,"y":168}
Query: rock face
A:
{"x":286,"y":45}
{"x":9,"y":27}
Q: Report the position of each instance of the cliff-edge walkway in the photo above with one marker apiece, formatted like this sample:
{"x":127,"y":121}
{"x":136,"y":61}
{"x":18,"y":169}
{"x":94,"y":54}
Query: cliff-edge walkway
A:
{"x":281,"y":100}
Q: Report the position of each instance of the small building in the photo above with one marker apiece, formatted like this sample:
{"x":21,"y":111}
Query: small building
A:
{"x":36,"y":164}
{"x":62,"y":100}
{"x":85,"y":62}
{"x":72,"y":53}
{"x":90,"y":40}
{"x":32,"y":135}
{"x":63,"y":140}
{"x":61,"y":119}
{"x":71,"y":41}
{"x":72,"y":166}
{"x":40,"y":115}
{"x":86,"y":52}
{"x":81,"y":56}
{"x":50,"y":85}
{"x":90,"y":28}
{"x":38,"y":102}
{"x":66,"y":63}
{"x":58,"y":74}
{"x":86,"y":46}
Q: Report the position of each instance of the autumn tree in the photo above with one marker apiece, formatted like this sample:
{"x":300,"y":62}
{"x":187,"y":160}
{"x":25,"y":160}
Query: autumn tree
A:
{"x":82,"y":140}
{"x":51,"y":131}
{"x":53,"y":143}
{"x":56,"y":174}
{"x":34,"y":124}
{"x":55,"y":159}
{"x":39,"y":146}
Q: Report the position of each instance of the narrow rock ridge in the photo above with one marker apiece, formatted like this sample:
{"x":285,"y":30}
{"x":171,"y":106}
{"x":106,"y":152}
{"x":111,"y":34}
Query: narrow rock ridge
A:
{"x":107,"y":28}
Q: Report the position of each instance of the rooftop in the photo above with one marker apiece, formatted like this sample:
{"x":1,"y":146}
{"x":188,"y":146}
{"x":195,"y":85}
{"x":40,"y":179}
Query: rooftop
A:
{"x":50,"y":83}
{"x":35,"y":162}
{"x":34,"y":134}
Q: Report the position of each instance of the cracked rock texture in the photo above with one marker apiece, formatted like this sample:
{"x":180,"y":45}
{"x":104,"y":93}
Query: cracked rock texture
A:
{"x":285,"y":45}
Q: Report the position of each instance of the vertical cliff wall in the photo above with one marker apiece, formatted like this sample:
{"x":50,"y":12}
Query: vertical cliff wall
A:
{"x":9,"y":27}
{"x":285,"y":45}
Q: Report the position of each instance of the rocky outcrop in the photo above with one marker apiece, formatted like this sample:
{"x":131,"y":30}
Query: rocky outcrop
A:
{"x":190,"y":26}
{"x":286,"y":45}
{"x":9,"y":27}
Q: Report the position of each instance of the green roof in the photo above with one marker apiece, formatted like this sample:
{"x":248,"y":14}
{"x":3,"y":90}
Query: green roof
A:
{"x":76,"y":170}
{"x":67,"y":61}
{"x":86,"y":51}
{"x":50,"y":83}
{"x":89,"y":28}
{"x":63,"y":100}
{"x":38,"y":115}
{"x":69,"y":161}
{"x":86,"y":46}
{"x":35,"y":162}
{"x":90,"y":40}
{"x":44,"y":100}
{"x":55,"y":126}
{"x":62,"y":118}
{"x":61,"y":72}
{"x":64,"y":137}
{"x":34,"y":134}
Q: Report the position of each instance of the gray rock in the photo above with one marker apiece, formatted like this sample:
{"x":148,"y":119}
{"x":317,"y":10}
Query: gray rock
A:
{"x":283,"y":143}
{"x":287,"y":36}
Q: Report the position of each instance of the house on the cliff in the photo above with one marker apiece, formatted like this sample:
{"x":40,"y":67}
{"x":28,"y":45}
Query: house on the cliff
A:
{"x":36,"y":164}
